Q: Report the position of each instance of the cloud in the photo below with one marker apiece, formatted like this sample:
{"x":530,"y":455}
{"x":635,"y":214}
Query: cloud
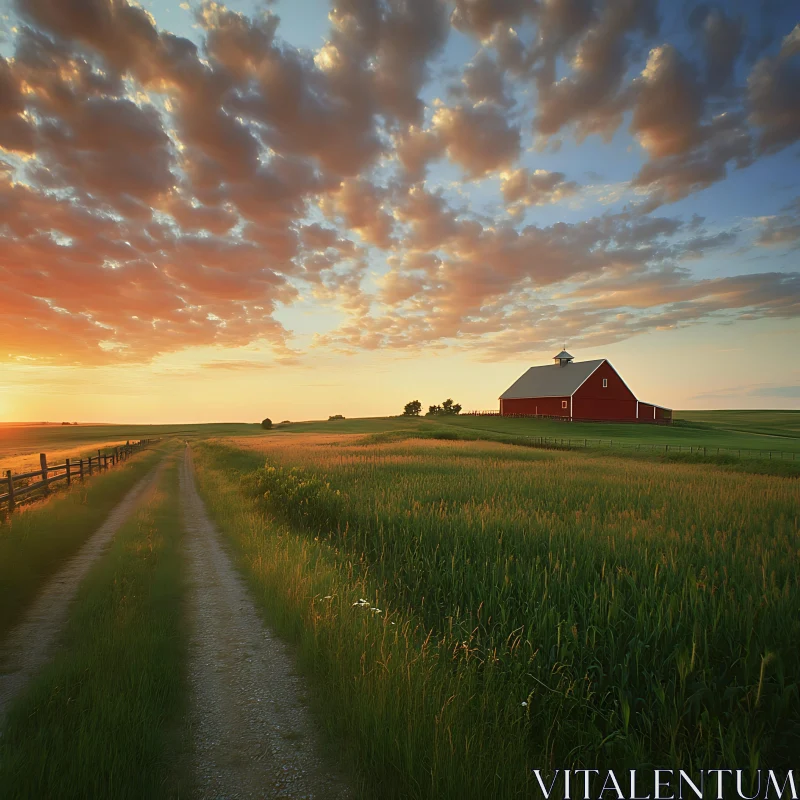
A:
{"x":773,"y":87}
{"x":416,"y":148}
{"x":778,"y":391}
{"x":483,"y":82}
{"x":359,"y":204}
{"x":478,"y":139}
{"x":498,"y":290}
{"x":669,"y":105}
{"x":243,"y":365}
{"x":753,"y":390}
{"x":782,"y":229}
{"x":715,"y":144}
{"x":592,"y":96}
{"x":525,"y":188}
{"x":160,"y":192}
{"x":481,"y":16}
{"x":723,"y":39}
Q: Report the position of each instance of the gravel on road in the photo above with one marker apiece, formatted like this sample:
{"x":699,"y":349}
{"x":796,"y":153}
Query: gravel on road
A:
{"x":253,"y":734}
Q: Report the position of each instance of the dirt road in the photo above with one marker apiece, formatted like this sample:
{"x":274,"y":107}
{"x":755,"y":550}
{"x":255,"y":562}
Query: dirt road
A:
{"x":31,"y":642}
{"x":253,"y":736}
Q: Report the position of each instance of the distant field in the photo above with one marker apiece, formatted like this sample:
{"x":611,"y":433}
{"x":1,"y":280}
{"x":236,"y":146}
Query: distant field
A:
{"x":762,"y":431}
{"x":770,"y":423}
{"x":20,"y":445}
{"x":746,"y":430}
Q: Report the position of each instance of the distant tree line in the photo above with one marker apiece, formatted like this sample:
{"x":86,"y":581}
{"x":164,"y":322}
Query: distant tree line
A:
{"x":447,"y":408}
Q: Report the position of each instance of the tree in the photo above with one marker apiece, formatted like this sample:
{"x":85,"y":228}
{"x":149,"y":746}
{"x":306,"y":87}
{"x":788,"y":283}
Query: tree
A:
{"x":412,"y":409}
{"x":266,"y":424}
{"x":447,"y":408}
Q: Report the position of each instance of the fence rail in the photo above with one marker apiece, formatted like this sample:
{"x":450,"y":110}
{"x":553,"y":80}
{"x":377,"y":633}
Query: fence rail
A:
{"x":67,"y":471}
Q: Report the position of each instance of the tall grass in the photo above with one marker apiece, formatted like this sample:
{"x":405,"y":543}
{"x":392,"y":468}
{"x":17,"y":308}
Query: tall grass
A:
{"x":35,"y":541}
{"x":643,"y":613}
{"x":102,"y":718}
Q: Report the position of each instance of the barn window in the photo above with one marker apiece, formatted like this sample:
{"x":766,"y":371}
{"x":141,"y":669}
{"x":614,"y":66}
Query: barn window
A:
{"x":605,"y":383}
{"x":563,"y":404}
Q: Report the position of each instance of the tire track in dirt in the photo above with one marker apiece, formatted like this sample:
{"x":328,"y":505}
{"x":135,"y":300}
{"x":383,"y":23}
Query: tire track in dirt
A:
{"x":30,"y":644}
{"x":253,"y":737}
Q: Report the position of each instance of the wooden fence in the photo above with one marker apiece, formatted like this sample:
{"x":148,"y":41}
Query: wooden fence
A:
{"x":49,"y":474}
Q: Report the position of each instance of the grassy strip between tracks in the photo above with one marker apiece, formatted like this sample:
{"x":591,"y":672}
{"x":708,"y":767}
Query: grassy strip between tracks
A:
{"x":36,"y":540}
{"x":583,"y":612}
{"x":103,"y":718}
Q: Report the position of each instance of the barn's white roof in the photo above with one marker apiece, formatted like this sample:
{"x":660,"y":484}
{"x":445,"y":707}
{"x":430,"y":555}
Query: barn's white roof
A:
{"x":551,"y":380}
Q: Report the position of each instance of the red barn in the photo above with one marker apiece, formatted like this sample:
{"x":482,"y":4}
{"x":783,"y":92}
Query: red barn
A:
{"x":579,"y":390}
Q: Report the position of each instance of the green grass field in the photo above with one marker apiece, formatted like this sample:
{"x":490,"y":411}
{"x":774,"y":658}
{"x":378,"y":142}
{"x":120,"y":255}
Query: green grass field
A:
{"x":104,"y":717}
{"x":537,"y":608}
{"x":464,"y":610}
{"x":35,"y":541}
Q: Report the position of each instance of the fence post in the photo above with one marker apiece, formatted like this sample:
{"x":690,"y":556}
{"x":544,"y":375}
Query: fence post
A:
{"x":116,"y":455}
{"x":43,"y":464}
{"x":105,"y":461}
{"x":10,"y":490}
{"x":69,"y":475}
{"x":90,"y":465}
{"x":80,"y":468}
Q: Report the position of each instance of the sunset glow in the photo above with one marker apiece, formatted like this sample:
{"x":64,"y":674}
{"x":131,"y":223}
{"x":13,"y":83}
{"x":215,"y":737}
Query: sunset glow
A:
{"x":215,"y":212}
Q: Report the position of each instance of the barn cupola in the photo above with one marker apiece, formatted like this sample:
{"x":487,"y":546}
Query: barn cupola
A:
{"x":563,"y":358}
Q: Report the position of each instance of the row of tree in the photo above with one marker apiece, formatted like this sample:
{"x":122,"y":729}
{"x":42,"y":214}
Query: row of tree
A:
{"x":448,"y":407}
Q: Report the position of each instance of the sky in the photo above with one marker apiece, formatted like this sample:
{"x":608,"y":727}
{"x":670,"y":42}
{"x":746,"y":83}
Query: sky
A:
{"x":296,"y":209}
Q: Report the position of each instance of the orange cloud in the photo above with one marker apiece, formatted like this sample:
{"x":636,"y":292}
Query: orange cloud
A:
{"x":159,"y":193}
